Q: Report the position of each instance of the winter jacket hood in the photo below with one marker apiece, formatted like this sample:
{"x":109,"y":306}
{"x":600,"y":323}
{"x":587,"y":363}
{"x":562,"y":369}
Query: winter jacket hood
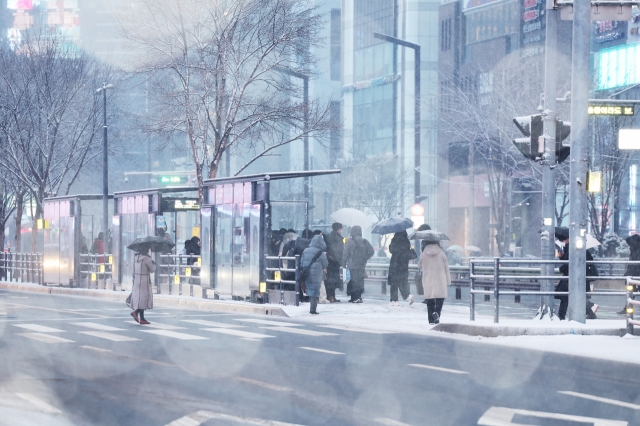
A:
{"x":318,"y":242}
{"x":432,"y":250}
{"x":356,"y":231}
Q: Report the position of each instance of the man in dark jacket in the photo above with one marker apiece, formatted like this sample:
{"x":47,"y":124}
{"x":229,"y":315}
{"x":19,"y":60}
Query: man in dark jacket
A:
{"x":357,"y":251}
{"x":335,"y":249}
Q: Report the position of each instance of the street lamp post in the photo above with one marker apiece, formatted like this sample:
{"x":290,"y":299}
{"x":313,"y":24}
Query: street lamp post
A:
{"x":416,"y":132}
{"x":105,"y":165}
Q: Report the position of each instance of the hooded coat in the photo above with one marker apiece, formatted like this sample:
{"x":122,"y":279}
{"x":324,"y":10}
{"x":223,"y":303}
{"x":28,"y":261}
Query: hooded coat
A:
{"x":401,"y":254}
{"x":314,"y":278}
{"x":435,"y":272}
{"x":142,"y":292}
{"x":349,"y":260}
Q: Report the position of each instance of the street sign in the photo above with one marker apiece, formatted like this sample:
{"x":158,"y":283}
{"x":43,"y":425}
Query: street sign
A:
{"x":172,"y":180}
{"x":629,"y":139}
{"x":611,"y":110}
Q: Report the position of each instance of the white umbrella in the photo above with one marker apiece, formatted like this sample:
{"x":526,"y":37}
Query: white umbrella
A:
{"x":455,"y":248}
{"x":351,"y":217}
{"x":592,"y":242}
{"x":473,"y":248}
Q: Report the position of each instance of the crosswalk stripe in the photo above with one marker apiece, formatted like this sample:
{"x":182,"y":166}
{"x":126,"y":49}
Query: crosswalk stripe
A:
{"x":601,"y":399}
{"x":97,"y":326}
{"x":361,"y":330}
{"x":39,"y":328}
{"x":202,"y":416}
{"x":46,"y":338}
{"x":38,"y":403}
{"x":159,"y":326}
{"x":110,"y":336}
{"x":301,"y":331}
{"x":175,"y":334}
{"x":213,"y":323}
{"x":238,"y":333}
{"x":431,"y":367}
{"x":268,"y":322}
{"x":321,"y":350}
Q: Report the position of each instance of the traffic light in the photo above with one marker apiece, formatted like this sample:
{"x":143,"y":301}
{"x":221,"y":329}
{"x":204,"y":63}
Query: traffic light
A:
{"x":531,"y":127}
{"x":532,"y":146}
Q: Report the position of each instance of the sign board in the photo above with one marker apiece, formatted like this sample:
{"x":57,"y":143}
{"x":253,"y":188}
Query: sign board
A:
{"x":172,"y":180}
{"x":176,"y":279}
{"x":93,"y":277}
{"x":180,"y":204}
{"x":629,"y":139}
{"x":161,"y":222}
{"x":611,"y":110}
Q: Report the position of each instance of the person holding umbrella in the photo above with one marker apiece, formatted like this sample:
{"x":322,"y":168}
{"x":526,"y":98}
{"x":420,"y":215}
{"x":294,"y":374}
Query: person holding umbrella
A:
{"x":401,"y":254}
{"x":141,"y":297}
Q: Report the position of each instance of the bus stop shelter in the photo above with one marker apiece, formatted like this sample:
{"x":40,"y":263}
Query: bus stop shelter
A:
{"x":236,"y":231}
{"x":71,"y":224}
{"x":151,"y":212}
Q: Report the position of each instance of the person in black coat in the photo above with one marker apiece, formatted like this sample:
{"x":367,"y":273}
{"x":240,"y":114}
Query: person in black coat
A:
{"x":398,"y":279}
{"x":562,"y":234}
{"x":335,"y":248}
{"x":634,"y":255}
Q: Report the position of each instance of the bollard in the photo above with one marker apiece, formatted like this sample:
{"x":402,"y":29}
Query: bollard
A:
{"x":472,"y":298}
{"x":629,"y":309}
{"x":458,"y":293}
{"x":496,"y":289}
{"x":297,"y":282}
{"x":516,"y":298}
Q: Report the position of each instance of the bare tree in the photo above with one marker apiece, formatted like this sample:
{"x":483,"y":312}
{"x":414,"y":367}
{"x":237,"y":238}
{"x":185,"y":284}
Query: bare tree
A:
{"x":220,"y":74}
{"x":51,"y":120}
{"x":478,"y":110}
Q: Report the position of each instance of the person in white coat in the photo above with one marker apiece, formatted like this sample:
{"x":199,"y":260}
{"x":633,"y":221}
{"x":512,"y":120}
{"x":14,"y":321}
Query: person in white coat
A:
{"x":435,"y":278}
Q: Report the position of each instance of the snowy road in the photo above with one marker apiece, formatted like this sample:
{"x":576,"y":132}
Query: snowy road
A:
{"x":69,"y":360}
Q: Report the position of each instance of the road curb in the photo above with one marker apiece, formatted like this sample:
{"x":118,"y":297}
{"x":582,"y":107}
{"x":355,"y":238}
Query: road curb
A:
{"x":159,"y":300}
{"x":506,"y":331}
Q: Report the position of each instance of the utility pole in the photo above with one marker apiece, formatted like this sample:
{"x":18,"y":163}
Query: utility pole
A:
{"x":579,"y":160}
{"x":547,"y":243}
{"x":105,"y":166}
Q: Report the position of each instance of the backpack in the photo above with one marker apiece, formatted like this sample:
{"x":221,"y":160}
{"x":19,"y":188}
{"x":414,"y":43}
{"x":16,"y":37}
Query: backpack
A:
{"x":363,"y":252}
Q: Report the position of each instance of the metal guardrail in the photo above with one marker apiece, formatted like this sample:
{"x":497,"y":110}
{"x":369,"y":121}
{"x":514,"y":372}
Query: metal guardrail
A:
{"x":495,"y":278}
{"x":277,"y":275}
{"x":629,"y":308}
{"x":95,"y":267}
{"x":178,"y":268}
{"x":22,"y":267}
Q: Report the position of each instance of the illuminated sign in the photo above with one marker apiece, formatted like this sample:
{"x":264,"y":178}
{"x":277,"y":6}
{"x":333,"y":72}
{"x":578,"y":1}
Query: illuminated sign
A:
{"x":168,"y":180}
{"x":186,"y":205}
{"x":617,"y":66}
{"x":629,"y":139}
{"x":179,"y":204}
{"x":610,"y":110}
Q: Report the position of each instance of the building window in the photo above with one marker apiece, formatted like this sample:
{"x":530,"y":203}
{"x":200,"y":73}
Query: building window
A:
{"x":334,"y":134}
{"x":492,"y":22}
{"x":371,"y":16}
{"x":445,"y":34}
{"x":335,"y":40}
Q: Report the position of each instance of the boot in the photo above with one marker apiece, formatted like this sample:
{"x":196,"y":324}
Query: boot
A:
{"x":431,"y":304}
{"x":313,"y":302}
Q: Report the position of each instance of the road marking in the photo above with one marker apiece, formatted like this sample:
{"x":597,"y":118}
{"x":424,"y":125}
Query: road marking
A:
{"x":39,"y":328}
{"x":431,"y":367}
{"x":250,"y":340}
{"x":46,"y":338}
{"x":502,"y":416}
{"x":264,"y":384}
{"x":97,"y":326}
{"x":93,"y":348}
{"x":268,"y":322}
{"x":300,"y":331}
{"x":321,"y":350}
{"x":158,"y":326}
{"x":38,"y":403}
{"x":213,"y":323}
{"x":239,"y":333}
{"x":389,"y":422}
{"x":600,"y":399}
{"x":110,"y":336}
{"x":40,"y":308}
{"x":196,"y":419}
{"x":175,"y":334}
{"x":361,"y":330}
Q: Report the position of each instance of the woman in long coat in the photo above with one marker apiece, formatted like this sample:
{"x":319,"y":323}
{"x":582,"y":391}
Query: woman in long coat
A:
{"x":313,"y":281}
{"x":401,"y":254}
{"x":435,"y":279}
{"x":142,"y":293}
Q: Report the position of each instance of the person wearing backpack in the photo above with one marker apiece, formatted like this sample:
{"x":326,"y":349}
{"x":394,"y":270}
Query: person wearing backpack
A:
{"x":357,"y":251}
{"x":313,"y":263}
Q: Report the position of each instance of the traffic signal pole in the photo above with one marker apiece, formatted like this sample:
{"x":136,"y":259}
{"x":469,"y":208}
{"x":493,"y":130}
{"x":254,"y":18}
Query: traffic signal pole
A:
{"x":547,"y":243}
{"x":579,"y":160}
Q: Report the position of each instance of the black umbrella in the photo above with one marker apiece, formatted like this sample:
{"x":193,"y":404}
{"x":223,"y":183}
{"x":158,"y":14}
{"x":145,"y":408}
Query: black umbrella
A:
{"x":157,"y":244}
{"x":392,"y":225}
{"x":429,"y":235}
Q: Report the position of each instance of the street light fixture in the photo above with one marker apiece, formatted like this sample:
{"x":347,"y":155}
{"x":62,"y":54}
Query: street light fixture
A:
{"x":105,"y":165}
{"x":416,"y":51}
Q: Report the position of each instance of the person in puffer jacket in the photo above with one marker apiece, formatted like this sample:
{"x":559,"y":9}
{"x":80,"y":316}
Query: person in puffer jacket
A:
{"x":315,"y":259}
